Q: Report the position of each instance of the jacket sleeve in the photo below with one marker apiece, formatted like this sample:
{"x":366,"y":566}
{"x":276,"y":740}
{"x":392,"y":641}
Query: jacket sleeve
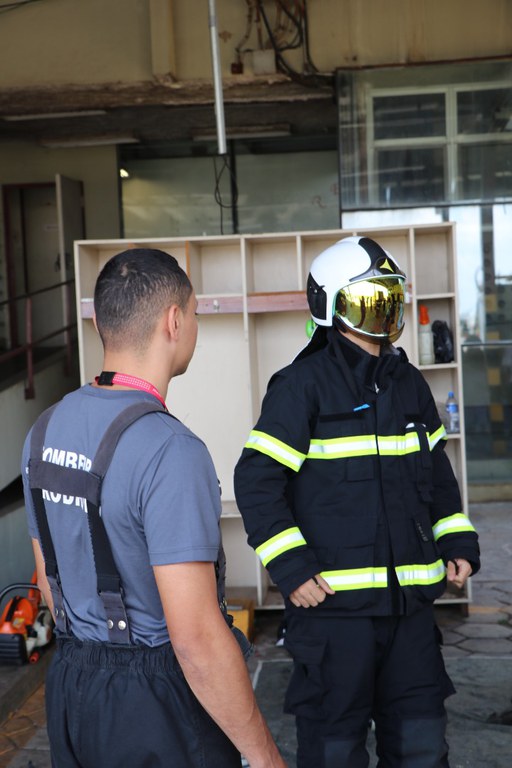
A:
{"x":274,"y":452}
{"x":453,"y":531}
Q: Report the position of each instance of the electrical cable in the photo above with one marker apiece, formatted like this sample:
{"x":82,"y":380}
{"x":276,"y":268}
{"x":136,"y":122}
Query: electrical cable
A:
{"x":217,"y":191}
{"x":239,"y":48}
{"x":281,"y":63}
{"x":13,"y":6}
{"x":311,"y":81}
{"x":296,"y":42}
{"x":306,"y":38}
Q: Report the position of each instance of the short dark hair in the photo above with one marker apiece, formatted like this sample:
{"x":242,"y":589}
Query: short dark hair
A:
{"x":132,"y":290}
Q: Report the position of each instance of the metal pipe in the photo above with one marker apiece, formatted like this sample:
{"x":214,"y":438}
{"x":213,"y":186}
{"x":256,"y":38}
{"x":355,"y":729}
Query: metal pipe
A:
{"x":217,"y":79}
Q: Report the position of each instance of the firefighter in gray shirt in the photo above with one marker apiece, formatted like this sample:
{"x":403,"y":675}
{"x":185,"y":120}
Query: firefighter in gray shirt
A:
{"x":166,"y":683}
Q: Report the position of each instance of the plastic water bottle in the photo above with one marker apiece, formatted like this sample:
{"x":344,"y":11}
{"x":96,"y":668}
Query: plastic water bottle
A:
{"x":452,"y":411}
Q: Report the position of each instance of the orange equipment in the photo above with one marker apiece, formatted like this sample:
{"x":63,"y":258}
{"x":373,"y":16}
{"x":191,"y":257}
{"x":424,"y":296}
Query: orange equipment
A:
{"x":26,"y":625}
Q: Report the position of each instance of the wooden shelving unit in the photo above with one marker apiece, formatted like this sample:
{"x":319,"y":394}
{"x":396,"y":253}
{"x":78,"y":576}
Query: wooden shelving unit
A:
{"x":253,"y":314}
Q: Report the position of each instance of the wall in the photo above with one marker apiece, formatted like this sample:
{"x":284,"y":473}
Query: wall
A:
{"x":64,"y":41}
{"x":17,"y":561}
{"x":95,"y":166}
{"x":18,"y":414}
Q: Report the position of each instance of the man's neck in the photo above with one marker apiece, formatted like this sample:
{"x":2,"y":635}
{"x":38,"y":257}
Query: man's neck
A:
{"x":368,"y":346}
{"x":136,"y":368}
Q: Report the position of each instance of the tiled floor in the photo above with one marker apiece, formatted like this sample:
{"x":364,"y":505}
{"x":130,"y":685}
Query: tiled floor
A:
{"x":477,"y":650}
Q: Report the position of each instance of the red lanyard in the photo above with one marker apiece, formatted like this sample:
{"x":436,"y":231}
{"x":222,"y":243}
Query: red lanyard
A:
{"x":108,"y":378}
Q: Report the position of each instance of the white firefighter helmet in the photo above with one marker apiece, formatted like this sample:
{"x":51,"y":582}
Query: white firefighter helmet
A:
{"x":358,"y":286}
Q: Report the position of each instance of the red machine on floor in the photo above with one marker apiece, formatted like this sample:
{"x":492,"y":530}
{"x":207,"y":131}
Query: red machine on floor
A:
{"x":26,"y":625}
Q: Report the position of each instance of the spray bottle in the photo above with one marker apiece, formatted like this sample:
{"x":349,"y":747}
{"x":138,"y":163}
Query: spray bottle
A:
{"x":425,"y":338}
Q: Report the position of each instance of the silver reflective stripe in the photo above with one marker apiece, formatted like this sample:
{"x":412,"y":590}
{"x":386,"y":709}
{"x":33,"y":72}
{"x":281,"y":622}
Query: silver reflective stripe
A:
{"x":280,"y":543}
{"x":410,"y":575}
{"x":365,"y":445}
{"x":276,"y":449}
{"x":398,"y":445}
{"x":341,"y":447}
{"x":452,"y":524}
{"x":356,"y":578}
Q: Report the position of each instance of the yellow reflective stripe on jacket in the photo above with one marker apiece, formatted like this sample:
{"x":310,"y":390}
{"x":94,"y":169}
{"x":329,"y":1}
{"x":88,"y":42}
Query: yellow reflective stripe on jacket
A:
{"x":439,"y":434}
{"x":276,"y":449}
{"x":369,"y":445}
{"x":342,"y":447}
{"x":410,"y":575}
{"x":281,"y":542}
{"x":452,"y":524}
{"x":399,"y":445}
{"x":356,"y":578}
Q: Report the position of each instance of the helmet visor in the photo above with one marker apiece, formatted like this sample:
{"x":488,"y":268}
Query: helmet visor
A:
{"x":373,"y":308}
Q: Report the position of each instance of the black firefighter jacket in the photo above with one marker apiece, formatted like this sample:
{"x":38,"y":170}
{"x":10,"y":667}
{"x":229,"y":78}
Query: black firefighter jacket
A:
{"x":345,"y":474}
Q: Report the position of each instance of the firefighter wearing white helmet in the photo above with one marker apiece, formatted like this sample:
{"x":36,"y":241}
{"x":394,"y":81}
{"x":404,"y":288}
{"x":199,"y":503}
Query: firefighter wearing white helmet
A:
{"x":359,"y":286}
{"x":351,"y":503}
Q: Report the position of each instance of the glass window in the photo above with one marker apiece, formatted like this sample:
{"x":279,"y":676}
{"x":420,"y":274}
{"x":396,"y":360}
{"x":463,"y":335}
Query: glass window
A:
{"x":410,"y":176}
{"x":288,"y":192}
{"x":267,"y":191}
{"x":485,"y":171}
{"x":411,"y":116}
{"x":484,"y":111}
{"x":438,"y":133}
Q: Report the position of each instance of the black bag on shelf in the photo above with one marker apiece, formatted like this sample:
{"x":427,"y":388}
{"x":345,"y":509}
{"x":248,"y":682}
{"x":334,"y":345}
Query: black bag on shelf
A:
{"x":443,"y":342}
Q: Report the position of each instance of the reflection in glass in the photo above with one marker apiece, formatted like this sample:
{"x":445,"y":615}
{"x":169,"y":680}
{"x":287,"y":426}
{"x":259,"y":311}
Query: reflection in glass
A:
{"x":483,"y":111}
{"x":418,"y":114}
{"x":487,"y":376}
{"x":411,"y":176}
{"x":485,"y":171}
{"x":373,"y":307}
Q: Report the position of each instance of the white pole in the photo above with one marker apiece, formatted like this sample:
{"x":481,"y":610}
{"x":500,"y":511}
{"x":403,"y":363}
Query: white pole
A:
{"x":217,"y":79}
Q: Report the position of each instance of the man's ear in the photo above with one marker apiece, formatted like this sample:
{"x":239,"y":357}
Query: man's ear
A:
{"x":94,"y":321}
{"x":173,"y":321}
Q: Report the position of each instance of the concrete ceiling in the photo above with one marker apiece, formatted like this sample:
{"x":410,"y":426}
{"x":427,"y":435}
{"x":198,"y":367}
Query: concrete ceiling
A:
{"x":161,"y":112}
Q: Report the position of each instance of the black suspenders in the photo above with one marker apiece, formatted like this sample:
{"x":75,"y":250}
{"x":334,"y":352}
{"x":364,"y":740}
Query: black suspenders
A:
{"x":44,"y":475}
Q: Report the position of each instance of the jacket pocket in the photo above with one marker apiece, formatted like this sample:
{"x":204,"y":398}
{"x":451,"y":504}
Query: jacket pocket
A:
{"x":425,"y":545}
{"x":306,"y":688}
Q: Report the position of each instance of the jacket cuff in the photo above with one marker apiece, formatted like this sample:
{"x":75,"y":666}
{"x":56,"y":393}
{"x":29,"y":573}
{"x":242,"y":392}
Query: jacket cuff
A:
{"x":288,"y":576}
{"x":468,"y":554}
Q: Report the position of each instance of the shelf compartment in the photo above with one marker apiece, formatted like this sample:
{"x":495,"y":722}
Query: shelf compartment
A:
{"x":434,"y":260}
{"x":271,"y":264}
{"x":215,"y":266}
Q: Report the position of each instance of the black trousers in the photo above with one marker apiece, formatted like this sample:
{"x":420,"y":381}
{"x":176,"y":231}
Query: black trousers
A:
{"x":348,"y":671}
{"x":115,"y":707}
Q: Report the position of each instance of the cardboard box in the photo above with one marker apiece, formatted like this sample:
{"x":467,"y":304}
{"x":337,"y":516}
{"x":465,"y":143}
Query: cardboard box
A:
{"x":242,"y":611}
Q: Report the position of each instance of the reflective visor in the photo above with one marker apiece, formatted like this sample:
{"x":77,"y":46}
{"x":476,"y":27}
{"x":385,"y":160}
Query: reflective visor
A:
{"x":374,"y":307}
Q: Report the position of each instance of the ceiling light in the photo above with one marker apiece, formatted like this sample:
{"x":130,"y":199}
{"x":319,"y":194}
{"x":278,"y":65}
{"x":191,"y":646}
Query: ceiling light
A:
{"x":87,"y":141}
{"x":123,"y":173}
{"x":249,"y":132}
{"x":54,"y":115}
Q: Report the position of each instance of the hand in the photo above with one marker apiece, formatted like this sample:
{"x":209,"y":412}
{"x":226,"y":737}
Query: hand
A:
{"x":458,"y":571}
{"x":311,"y":593}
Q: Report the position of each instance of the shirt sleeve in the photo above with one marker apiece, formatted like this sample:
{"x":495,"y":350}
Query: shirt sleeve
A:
{"x":180,"y":504}
{"x":29,"y":508}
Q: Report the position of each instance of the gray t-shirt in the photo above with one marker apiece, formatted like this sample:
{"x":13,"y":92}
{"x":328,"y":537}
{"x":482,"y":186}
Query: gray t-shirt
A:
{"x":160,"y":505}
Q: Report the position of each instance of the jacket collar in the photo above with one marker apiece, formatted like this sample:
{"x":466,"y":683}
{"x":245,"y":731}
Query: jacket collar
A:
{"x":365,"y":372}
